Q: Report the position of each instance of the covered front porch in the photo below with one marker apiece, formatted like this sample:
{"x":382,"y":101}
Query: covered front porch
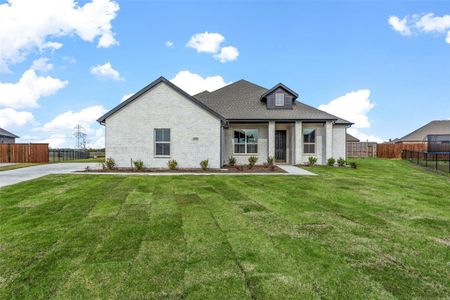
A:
{"x":288,"y":142}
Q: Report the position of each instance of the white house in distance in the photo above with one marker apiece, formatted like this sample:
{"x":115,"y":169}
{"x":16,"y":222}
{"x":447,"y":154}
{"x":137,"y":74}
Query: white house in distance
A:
{"x":162,"y":122}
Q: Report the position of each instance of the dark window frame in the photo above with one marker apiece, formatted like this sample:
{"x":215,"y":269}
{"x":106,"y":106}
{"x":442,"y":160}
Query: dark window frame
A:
{"x":244,"y":144}
{"x":163,"y":141}
{"x":309,"y":141}
{"x":283,"y":99}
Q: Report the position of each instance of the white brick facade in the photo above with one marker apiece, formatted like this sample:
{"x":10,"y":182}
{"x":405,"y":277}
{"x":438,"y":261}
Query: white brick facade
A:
{"x":195,"y":133}
{"x":243,"y":158}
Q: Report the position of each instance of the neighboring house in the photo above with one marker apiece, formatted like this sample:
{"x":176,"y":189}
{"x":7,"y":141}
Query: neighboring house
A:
{"x":351,"y":139}
{"x":7,"y":137}
{"x":162,"y":122}
{"x":420,"y":135}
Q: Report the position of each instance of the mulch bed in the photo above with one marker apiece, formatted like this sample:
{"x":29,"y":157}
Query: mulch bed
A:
{"x":225,"y":169}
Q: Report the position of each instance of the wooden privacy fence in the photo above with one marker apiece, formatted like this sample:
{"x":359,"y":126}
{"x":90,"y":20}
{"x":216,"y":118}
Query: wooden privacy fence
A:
{"x":395,"y":150}
{"x":23,"y":153}
{"x":361,"y":149}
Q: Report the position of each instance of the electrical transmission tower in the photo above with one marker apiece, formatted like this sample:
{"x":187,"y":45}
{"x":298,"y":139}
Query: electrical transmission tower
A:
{"x":80,"y":136}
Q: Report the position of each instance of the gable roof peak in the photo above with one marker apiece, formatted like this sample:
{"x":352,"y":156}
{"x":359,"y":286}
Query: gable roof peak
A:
{"x":277,"y":86}
{"x":150,"y":86}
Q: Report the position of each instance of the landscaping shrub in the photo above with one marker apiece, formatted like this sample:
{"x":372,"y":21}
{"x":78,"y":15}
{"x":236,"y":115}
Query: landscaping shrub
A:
{"x":353,"y":165}
{"x":138,"y":164}
{"x":204,"y":164}
{"x":341,"y":162}
{"x":110,"y":163}
{"x":172,"y":164}
{"x":252,"y":161}
{"x":270,"y":162}
{"x":312,"y":160}
{"x":231,"y":161}
{"x":331,"y":161}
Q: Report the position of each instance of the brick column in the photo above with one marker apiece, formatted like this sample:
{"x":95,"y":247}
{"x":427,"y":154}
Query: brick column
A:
{"x":329,"y":140}
{"x":271,"y":139}
{"x":298,"y":150}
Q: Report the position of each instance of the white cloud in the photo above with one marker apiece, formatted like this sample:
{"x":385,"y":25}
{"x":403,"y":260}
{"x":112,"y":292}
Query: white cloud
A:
{"x":51,"y":46}
{"x":62,"y":126}
{"x":97,"y":141}
{"x":431,"y":23}
{"x":364,"y":137}
{"x":353,"y":107}
{"x":107,"y":40}
{"x":42,"y":64}
{"x":211,"y":43}
{"x":229,"y":53}
{"x":56,"y":141}
{"x":169,"y":44}
{"x":426,"y":23}
{"x":26,"y":25}
{"x":68,"y":120}
{"x":400,"y":26}
{"x":206,"y":42}
{"x":10,"y":117}
{"x":126,"y":96}
{"x":106,"y":71}
{"x":28,"y":90}
{"x":193,"y":83}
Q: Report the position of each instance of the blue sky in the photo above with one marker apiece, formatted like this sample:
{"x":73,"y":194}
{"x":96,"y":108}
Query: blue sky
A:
{"x":389,"y":76}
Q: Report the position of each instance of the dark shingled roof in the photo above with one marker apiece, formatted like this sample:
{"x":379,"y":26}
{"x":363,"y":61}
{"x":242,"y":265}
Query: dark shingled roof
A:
{"x":4,"y":132}
{"x":420,"y":134}
{"x":241,"y":100}
{"x":350,"y":138}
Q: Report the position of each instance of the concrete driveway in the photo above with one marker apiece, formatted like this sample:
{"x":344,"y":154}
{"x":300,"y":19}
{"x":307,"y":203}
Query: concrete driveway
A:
{"x":24,"y":174}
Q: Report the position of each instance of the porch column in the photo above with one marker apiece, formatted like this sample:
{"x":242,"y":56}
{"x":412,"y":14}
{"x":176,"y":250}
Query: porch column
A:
{"x":271,"y":139}
{"x":329,"y":140}
{"x":298,"y":144}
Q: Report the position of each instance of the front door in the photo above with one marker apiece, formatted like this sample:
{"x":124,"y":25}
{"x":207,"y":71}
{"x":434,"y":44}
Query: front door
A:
{"x":280,"y":145}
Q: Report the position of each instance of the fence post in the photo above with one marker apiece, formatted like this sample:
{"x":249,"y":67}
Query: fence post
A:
{"x":435,"y":159}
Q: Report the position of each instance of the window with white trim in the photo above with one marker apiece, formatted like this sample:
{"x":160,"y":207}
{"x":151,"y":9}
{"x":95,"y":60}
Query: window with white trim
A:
{"x":162,"y":141}
{"x":245,"y":141}
{"x":279,"y":99}
{"x":309,"y":141}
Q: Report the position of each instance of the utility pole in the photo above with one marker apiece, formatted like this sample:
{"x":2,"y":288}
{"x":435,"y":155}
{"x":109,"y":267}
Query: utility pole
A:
{"x":80,"y":136}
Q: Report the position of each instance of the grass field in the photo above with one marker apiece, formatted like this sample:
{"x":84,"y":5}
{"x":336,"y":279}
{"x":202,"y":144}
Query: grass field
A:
{"x":17,"y":166}
{"x":380,"y":231}
{"x":91,"y":160}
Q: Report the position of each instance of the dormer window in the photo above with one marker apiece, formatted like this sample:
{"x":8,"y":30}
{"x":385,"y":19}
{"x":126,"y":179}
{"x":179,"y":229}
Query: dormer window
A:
{"x":279,"y":99}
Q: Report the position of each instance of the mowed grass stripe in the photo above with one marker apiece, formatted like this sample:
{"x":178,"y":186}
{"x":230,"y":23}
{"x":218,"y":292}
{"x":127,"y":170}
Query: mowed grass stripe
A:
{"x":158,"y":269}
{"x":380,"y":231}
{"x":49,"y":267}
{"x":211,"y":267}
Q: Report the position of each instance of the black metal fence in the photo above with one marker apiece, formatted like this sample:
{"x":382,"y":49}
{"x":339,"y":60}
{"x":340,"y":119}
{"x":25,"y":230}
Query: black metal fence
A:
{"x":439,"y":161}
{"x":55,"y":155}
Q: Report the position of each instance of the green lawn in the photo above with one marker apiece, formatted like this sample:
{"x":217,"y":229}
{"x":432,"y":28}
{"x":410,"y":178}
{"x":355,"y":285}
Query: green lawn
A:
{"x":17,"y":166}
{"x":380,"y":231}
{"x":90,"y":160}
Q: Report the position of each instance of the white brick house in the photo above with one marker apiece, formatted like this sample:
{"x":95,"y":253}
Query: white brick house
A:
{"x":162,"y":122}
